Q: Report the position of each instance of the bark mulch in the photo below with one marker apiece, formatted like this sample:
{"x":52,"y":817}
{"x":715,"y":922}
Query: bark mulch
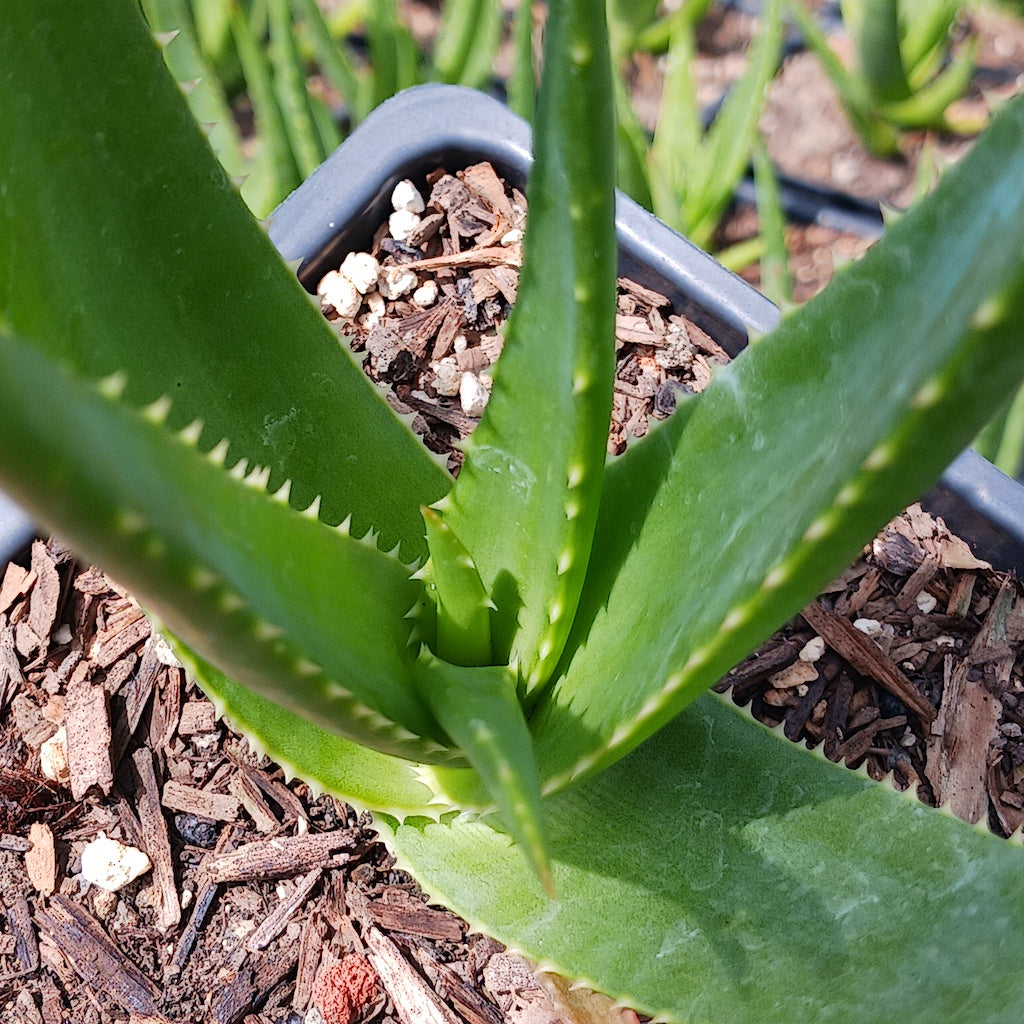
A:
{"x":250,"y":899}
{"x":257,"y":901}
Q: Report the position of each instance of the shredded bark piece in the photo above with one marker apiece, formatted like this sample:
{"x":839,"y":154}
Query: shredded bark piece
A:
{"x":864,"y":655}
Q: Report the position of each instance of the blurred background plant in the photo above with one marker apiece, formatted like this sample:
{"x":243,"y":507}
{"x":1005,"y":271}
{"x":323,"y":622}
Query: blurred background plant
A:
{"x":906,"y":71}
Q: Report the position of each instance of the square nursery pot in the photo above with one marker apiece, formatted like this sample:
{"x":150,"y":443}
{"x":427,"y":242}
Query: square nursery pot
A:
{"x":339,"y":207}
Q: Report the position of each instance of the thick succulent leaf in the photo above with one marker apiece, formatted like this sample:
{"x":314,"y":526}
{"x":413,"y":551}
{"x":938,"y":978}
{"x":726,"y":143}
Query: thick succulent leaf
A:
{"x":796,"y":455}
{"x":285,"y":604}
{"x":462,"y":617}
{"x":479,"y":708}
{"x":367,"y":779}
{"x":123,"y":247}
{"x":878,"y":135}
{"x":467,"y":42}
{"x":878,"y":51}
{"x":926,"y":108}
{"x":723,"y":874}
{"x":733,"y":132}
{"x":526,"y":500}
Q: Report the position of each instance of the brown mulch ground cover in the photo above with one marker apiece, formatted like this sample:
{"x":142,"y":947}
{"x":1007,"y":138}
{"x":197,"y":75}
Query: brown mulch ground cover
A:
{"x":260,"y":901}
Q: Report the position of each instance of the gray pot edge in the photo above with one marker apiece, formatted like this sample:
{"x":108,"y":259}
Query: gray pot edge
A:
{"x":428,"y":125}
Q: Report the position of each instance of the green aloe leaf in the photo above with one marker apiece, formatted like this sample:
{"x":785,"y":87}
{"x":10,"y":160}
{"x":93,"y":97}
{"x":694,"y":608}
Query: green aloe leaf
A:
{"x":722,"y":874}
{"x":112,"y":196}
{"x":878,"y":135}
{"x":467,"y":42}
{"x":878,"y":50}
{"x":479,"y":708}
{"x":463,"y":609}
{"x":317,"y":622}
{"x":928,"y":324}
{"x":366,"y":778}
{"x":539,"y":451}
{"x":733,"y":132}
{"x":927,"y":106}
{"x":693,"y":175}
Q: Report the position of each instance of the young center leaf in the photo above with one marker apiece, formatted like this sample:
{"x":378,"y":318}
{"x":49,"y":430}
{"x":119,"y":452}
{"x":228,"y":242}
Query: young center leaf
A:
{"x":526,"y":501}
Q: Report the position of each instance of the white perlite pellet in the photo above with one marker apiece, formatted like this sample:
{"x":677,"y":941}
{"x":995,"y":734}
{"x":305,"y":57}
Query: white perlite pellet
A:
{"x":112,"y":865}
{"x":407,"y":197}
{"x":473,"y":394}
{"x":394,"y":282}
{"x":926,"y":602}
{"x":402,"y":223}
{"x":869,"y":627}
{"x":362,"y":270}
{"x":426,"y":294}
{"x":447,"y":377}
{"x":812,"y":650}
{"x":336,"y":290}
{"x":53,"y":757}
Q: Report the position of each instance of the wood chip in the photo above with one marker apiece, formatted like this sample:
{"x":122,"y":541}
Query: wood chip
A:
{"x":397,"y":911}
{"x":156,"y":841}
{"x":88,"y":729}
{"x":414,"y":1000}
{"x":45,"y":596}
{"x":19,"y":921}
{"x":41,"y":860}
{"x":201,"y":802}
{"x":311,"y":942}
{"x":274,"y":923}
{"x":864,"y":655}
{"x":280,"y":857}
{"x":957,"y":762}
{"x":17,"y":582}
{"x":489,"y":256}
{"x":918,"y":580}
{"x":197,"y":716}
{"x":102,"y":966}
{"x":248,"y":794}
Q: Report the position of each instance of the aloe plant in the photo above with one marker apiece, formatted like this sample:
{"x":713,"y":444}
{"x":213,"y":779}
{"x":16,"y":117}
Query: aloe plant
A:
{"x":904,"y":76}
{"x":172,"y":403}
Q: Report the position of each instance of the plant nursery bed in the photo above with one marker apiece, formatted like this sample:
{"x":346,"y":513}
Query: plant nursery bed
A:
{"x":154,"y":867}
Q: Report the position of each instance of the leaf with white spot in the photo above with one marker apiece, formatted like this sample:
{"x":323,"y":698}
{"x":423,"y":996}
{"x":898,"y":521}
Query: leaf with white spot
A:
{"x":720,"y":526}
{"x":526,"y":500}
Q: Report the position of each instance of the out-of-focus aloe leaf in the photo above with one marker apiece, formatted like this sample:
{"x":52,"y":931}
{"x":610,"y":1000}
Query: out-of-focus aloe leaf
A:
{"x":802,"y":476}
{"x":522,"y":83}
{"x":556,"y":367}
{"x":292,"y":95}
{"x":392,"y":52}
{"x":775,"y":277}
{"x":467,"y":42}
{"x":693,"y":175}
{"x":102,"y":172}
{"x":721,"y":873}
{"x":879,"y":136}
{"x":274,"y":173}
{"x":206,"y":97}
{"x":632,"y":149}
{"x":878,"y":46}
{"x":333,"y":58}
